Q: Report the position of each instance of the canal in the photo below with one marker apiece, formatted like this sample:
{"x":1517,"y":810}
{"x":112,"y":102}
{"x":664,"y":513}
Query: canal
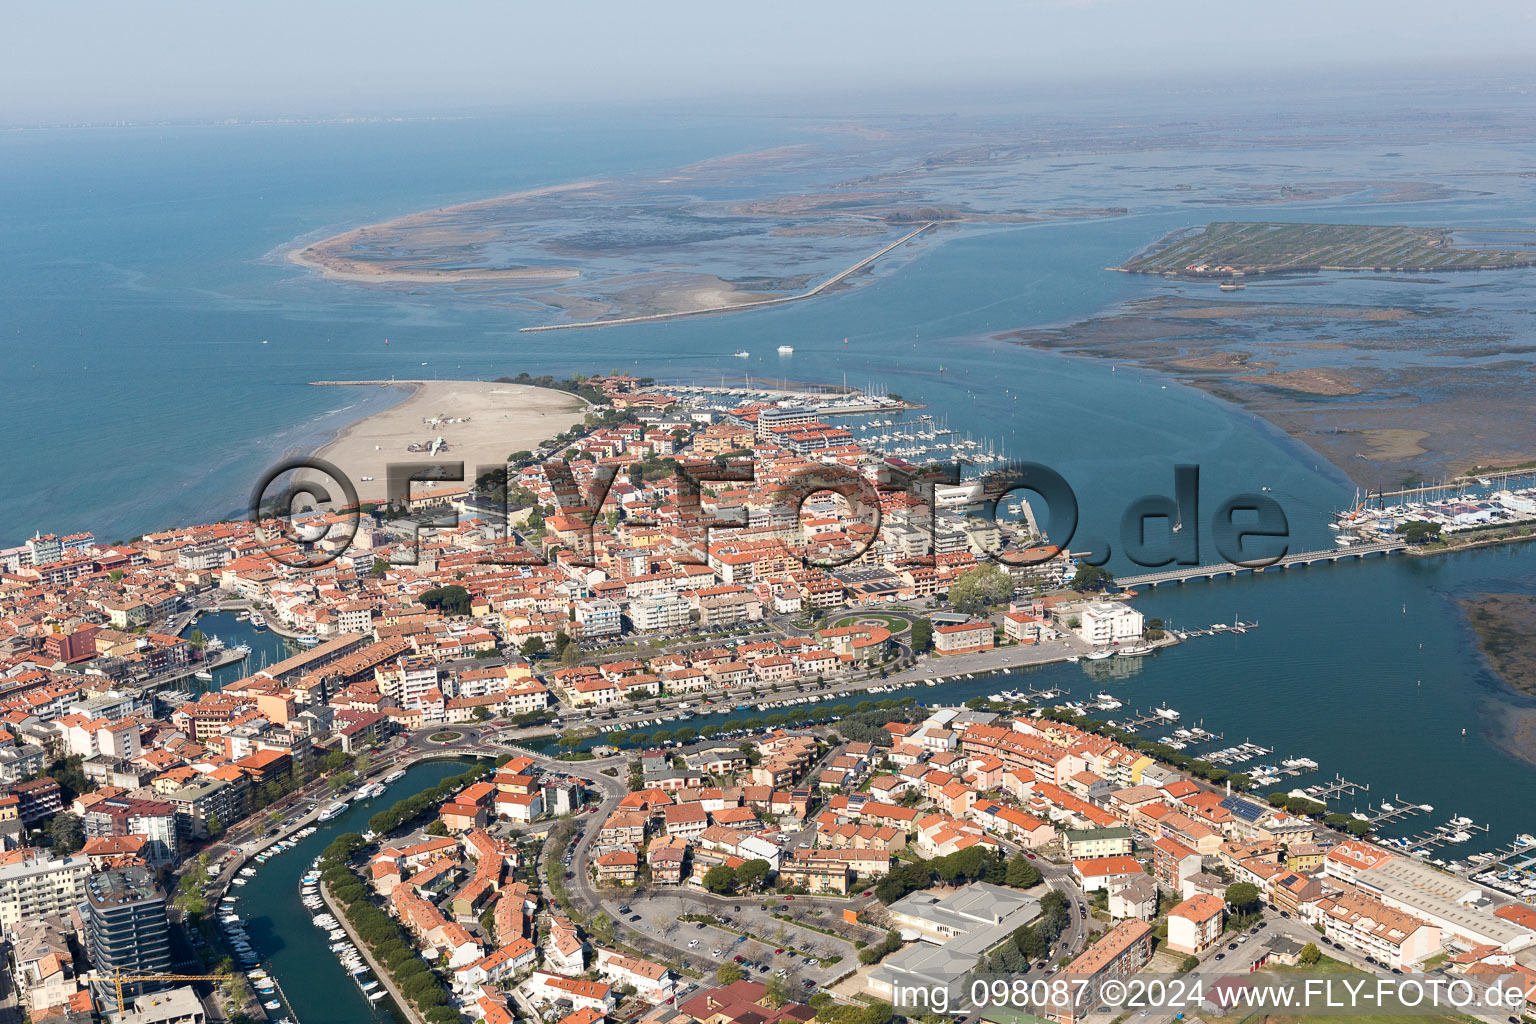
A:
{"x":282,"y":930}
{"x":1369,"y":668}
{"x":267,"y":648}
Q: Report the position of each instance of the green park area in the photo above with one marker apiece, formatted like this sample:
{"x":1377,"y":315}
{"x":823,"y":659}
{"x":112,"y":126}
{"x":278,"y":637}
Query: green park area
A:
{"x":894,"y":623}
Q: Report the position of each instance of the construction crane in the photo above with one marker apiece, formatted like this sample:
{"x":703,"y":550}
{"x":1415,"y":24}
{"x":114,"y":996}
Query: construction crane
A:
{"x":117,"y":977}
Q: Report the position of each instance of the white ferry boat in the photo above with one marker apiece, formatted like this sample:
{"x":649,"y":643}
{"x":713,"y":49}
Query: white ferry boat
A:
{"x":331,"y":812}
{"x":786,"y":350}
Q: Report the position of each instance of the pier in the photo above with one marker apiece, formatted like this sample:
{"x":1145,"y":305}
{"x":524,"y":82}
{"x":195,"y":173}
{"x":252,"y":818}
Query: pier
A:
{"x":644,"y":318}
{"x":225,"y":657}
{"x":1517,"y":856}
{"x":1141,"y":721}
{"x":1210,"y":572}
{"x":1457,"y":830}
{"x":1392,"y":812}
{"x":1340,"y":786}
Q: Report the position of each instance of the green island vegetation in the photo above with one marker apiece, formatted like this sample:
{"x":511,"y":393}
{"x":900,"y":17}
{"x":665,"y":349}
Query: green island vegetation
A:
{"x":412,"y":808}
{"x":1225,"y":248}
{"x":385,"y":939}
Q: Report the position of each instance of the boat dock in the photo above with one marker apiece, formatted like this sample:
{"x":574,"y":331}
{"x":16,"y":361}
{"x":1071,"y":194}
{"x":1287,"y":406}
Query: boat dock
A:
{"x":1457,"y":830}
{"x":1340,"y":786}
{"x":1516,"y":856}
{"x":1140,"y":721}
{"x":225,"y":657}
{"x":1389,"y":812}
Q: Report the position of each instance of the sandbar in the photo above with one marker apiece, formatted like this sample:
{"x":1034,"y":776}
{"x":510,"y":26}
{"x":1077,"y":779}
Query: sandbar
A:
{"x":498,"y":419}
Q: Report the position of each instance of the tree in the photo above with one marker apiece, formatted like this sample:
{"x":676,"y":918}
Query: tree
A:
{"x":922,"y":636}
{"x":380,"y":567}
{"x":1021,"y":873}
{"x":752,"y":873}
{"x":197,"y":639}
{"x":561,"y":642}
{"x":975,"y":592}
{"x":437,"y":828}
{"x":727,"y":973}
{"x":1030,"y":942}
{"x":777,"y":990}
{"x":1417,"y":531}
{"x":533,"y":647}
{"x":1309,"y":954}
{"x":1242,"y":896}
{"x":1091,"y":577}
{"x":66,"y":832}
{"x":720,"y":879}
{"x":571,"y":656}
{"x":1189,"y":963}
{"x":451,"y":600}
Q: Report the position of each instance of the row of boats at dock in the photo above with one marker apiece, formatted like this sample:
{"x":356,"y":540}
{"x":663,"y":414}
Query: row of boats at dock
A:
{"x":345,"y":950}
{"x":245,"y":957}
{"x":368,"y":792}
{"x":215,"y":647}
{"x":1511,"y":870}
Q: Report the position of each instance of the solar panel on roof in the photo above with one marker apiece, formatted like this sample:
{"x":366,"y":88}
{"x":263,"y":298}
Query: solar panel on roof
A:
{"x":1245,"y":809}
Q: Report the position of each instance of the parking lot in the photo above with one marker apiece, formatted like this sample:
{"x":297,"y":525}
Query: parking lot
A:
{"x":771,"y":949}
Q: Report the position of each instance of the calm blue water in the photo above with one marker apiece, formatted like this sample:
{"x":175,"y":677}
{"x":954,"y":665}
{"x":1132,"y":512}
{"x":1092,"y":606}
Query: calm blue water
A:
{"x":282,"y":930}
{"x":138,"y":285}
{"x":267,"y":647}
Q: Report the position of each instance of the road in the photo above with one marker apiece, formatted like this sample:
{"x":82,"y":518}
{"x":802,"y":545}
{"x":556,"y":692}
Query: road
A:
{"x":1251,"y":946}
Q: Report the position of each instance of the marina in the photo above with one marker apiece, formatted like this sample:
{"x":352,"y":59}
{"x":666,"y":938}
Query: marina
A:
{"x":279,"y":916}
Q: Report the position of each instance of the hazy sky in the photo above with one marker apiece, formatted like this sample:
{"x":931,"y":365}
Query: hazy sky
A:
{"x":148,"y":59}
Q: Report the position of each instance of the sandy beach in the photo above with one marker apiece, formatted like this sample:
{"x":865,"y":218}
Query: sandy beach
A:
{"x":498,"y":419}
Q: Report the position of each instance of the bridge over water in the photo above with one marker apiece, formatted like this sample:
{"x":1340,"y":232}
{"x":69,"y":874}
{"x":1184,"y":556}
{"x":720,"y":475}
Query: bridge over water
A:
{"x":1182,"y":574}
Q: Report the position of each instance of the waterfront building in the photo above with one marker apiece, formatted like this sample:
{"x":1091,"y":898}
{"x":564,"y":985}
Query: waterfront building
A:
{"x":179,"y":1005}
{"x":1450,"y":903}
{"x":1108,"y":622}
{"x":963,"y":638}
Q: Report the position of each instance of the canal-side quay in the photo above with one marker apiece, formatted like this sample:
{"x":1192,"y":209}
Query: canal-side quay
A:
{"x":293,"y":952}
{"x":402,"y":1005}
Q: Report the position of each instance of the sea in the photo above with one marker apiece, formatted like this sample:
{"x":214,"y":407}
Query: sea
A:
{"x":158,"y":352}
